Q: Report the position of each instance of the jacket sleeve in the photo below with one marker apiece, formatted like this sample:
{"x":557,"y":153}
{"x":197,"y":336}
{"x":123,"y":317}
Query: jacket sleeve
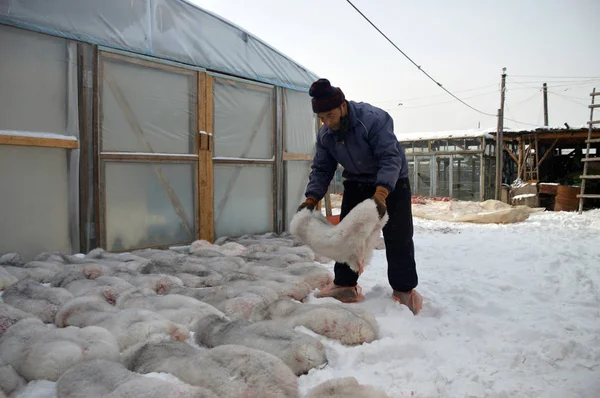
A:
{"x":384,"y":144}
{"x":323,"y":169}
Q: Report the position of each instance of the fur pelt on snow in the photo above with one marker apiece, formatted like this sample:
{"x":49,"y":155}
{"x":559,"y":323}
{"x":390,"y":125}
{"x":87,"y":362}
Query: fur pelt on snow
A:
{"x":343,"y":388}
{"x":101,"y":378}
{"x":298,"y":350}
{"x":10,"y":381}
{"x":36,"y":351}
{"x":34,"y":298}
{"x":10,"y":315}
{"x":230,"y":371}
{"x":351,"y":241}
{"x":344,"y":322}
{"x":130,"y":326}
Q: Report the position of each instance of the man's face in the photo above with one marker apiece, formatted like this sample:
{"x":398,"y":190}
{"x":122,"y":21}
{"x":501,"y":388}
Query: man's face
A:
{"x":333,"y":117}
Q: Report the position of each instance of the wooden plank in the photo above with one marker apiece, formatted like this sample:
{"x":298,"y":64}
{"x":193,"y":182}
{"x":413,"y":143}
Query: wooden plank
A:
{"x":243,"y":161}
{"x":327,"y":204}
{"x":512,"y":155}
{"x":593,"y":141}
{"x":209,"y":112}
{"x":250,"y":86}
{"x":19,"y":140}
{"x":136,"y":157}
{"x":591,"y":160}
{"x":594,"y":122}
{"x":137,"y":129}
{"x":99,"y":217}
{"x":594,"y":106}
{"x":537,"y":157}
{"x":568,"y":135}
{"x":201,"y":114}
{"x":592,"y":177}
{"x":205,"y":163}
{"x":205,"y":192}
{"x":589,"y":196}
{"x":85,"y":136}
{"x":147,"y":64}
{"x":548,"y":152}
{"x":296,"y":156}
{"x":521,"y":154}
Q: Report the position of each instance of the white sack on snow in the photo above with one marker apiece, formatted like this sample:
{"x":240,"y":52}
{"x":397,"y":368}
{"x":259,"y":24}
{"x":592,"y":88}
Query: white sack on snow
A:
{"x":488,"y":212}
{"x":351,"y":241}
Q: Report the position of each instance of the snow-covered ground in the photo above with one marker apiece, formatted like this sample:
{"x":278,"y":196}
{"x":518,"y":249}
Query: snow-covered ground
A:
{"x":509,"y":311}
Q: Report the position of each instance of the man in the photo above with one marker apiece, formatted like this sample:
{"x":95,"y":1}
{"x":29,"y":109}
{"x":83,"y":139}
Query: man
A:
{"x":361,"y":138}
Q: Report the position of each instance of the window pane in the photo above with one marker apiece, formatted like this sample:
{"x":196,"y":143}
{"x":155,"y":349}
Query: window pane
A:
{"x":33,"y":81}
{"x":243,"y":199}
{"x":159,"y":103}
{"x":473,"y":144}
{"x":466,"y":172}
{"x":423,"y":176}
{"x":420,"y":146}
{"x":296,"y":180}
{"x":443,"y":176}
{"x":411,"y":170}
{"x":299,"y":122}
{"x":439,"y":146}
{"x":243,"y":120}
{"x":140,"y":212}
{"x":34,"y":211}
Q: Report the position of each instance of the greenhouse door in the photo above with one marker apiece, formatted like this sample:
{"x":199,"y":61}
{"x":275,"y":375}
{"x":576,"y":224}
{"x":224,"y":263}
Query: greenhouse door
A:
{"x":443,"y":176}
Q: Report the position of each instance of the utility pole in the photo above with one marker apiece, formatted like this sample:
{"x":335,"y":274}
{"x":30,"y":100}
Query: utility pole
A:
{"x":545,"y":104}
{"x":500,"y":139}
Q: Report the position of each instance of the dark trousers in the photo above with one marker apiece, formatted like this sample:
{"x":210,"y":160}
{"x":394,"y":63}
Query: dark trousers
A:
{"x":397,"y":234}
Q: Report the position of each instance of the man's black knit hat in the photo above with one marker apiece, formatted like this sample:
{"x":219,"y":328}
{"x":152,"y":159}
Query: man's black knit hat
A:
{"x":324,"y":96}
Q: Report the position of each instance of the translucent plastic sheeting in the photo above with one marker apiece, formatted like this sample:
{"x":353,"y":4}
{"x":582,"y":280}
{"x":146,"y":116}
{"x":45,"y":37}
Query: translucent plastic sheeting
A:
{"x":296,"y":178}
{"x":243,"y":120}
{"x":300,"y":122}
{"x":243,"y":199}
{"x":139,"y":210}
{"x":147,"y":108}
{"x":34,"y":70}
{"x":171,"y":29}
{"x":34,"y":198}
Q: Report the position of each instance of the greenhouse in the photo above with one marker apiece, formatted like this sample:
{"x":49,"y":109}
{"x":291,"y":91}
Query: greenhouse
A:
{"x":127,"y":125}
{"x":455,"y":164}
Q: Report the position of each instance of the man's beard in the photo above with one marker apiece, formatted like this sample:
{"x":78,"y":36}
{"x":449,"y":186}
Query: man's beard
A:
{"x":342,"y":130}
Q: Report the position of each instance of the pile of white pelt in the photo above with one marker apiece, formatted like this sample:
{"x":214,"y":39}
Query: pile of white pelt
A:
{"x":218,"y":320}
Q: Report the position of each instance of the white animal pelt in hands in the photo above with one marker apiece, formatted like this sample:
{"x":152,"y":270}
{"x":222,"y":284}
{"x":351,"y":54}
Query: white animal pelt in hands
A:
{"x":351,"y":241}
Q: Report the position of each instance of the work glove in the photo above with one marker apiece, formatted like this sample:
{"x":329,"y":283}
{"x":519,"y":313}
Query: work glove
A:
{"x":379,"y":197}
{"x":309,"y":204}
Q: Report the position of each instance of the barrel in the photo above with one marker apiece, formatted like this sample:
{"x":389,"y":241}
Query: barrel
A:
{"x":566,"y":198}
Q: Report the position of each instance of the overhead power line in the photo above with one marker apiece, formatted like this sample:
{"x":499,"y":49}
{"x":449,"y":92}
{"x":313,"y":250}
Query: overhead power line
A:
{"x":437,"y":95}
{"x":557,"y":77}
{"x":415,"y":64}
{"x":427,"y":74}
